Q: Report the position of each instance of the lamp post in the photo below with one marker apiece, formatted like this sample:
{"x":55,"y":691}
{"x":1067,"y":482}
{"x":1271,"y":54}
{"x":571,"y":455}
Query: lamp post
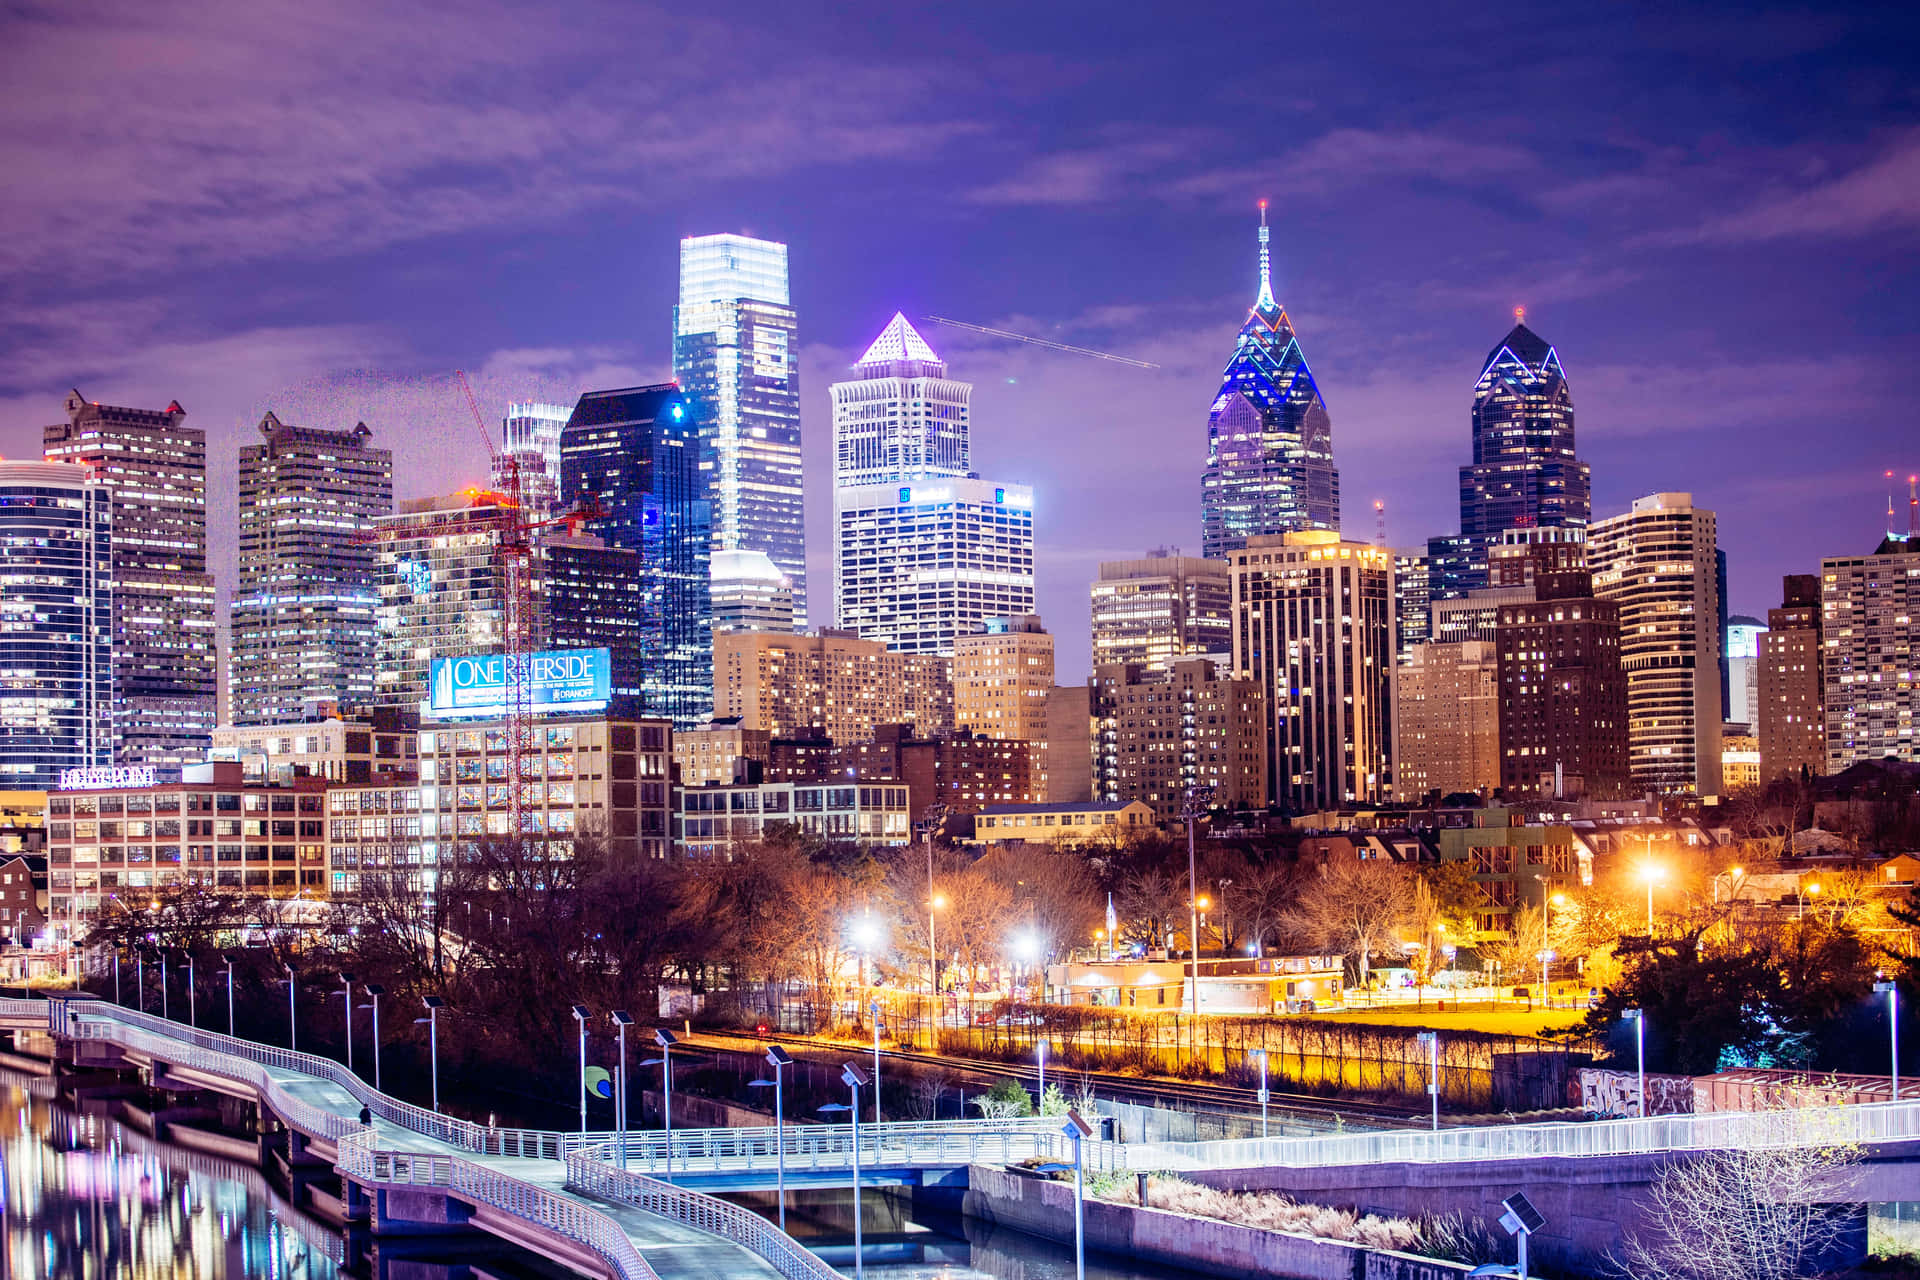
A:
{"x":193,"y":1006}
{"x":1733,"y":877}
{"x":1892,"y":992}
{"x":163,"y":987}
{"x":229,"y":993}
{"x":1639,"y":1018}
{"x":346,"y":996}
{"x":1196,"y":803}
{"x":116,"y":975}
{"x":666,"y":1040}
{"x":292,"y":1044}
{"x":140,"y":975}
{"x":1076,"y":1129}
{"x":621,"y":1021}
{"x":873,"y":1007}
{"x":1651,"y":874}
{"x":434,"y":1004}
{"x":1262,"y":1054}
{"x":1431,"y":1039}
{"x":1040,"y":1049}
{"x":854,"y":1077}
{"x":779,"y":1059}
{"x":1546,"y":959}
{"x":580,"y":1015}
{"x":374,"y":990}
{"x":930,"y":819}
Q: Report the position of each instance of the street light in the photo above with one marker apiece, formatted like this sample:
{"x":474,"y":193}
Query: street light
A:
{"x":229,"y":959}
{"x":193,"y":1007}
{"x":580,"y":1015}
{"x":666,"y":1040}
{"x":1197,"y":802}
{"x":1041,"y":1050}
{"x":779,"y":1059}
{"x":163,"y":986}
{"x":1639,"y":1019}
{"x":930,"y":819}
{"x":1545,"y":958}
{"x":1652,"y":875}
{"x":854,"y":1077}
{"x":1431,"y":1039}
{"x":433,"y":1005}
{"x":873,"y":1007}
{"x":140,"y":974}
{"x":621,"y":1020}
{"x":1076,"y":1129}
{"x":1733,"y":876}
{"x":1262,"y":1054}
{"x":375,"y":990}
{"x":292,"y":1046}
{"x":1892,"y":992}
{"x":346,"y":995}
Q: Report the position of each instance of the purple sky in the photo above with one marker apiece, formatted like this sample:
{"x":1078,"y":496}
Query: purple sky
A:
{"x":324,"y":209}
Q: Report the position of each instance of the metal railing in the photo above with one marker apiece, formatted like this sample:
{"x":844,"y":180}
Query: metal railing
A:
{"x":811,"y":1147}
{"x":1707,"y":1131}
{"x":590,"y":1170}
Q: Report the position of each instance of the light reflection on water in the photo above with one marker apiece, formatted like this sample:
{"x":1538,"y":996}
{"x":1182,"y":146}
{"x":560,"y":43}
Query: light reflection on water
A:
{"x":82,"y":1197}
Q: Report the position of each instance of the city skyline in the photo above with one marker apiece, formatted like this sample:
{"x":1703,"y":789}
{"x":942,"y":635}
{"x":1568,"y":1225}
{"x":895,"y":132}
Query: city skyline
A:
{"x":1644,"y":237}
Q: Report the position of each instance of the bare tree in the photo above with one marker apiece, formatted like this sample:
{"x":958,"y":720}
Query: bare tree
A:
{"x":1355,"y":907}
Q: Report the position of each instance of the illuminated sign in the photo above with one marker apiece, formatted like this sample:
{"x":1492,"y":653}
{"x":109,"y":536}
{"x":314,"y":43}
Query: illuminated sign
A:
{"x":557,"y":680}
{"x":93,"y":779}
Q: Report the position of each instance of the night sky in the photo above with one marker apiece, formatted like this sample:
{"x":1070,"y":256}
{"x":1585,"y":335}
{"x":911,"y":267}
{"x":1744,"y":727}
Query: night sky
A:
{"x":326,"y":208}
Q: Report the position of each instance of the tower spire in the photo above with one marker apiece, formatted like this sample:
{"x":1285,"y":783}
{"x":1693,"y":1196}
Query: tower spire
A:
{"x":1265,"y":300}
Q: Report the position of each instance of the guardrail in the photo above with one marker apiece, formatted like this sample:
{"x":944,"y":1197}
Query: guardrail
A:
{"x":590,"y":1170}
{"x":921,"y":1144}
{"x":1708,"y":1131}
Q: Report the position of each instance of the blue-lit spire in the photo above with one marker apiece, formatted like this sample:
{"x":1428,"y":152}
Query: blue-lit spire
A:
{"x":1265,"y":301}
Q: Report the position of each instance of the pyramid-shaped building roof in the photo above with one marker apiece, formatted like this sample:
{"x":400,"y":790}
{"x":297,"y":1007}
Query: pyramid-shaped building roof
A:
{"x":899,"y":341}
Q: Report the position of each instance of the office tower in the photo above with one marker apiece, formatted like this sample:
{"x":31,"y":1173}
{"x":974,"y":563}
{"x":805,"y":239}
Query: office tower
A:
{"x":1743,"y":669}
{"x":1269,"y":439}
{"x":1446,"y":721}
{"x":1720,"y":593}
{"x":1868,"y":607}
{"x":750,"y":593}
{"x":1563,"y":689}
{"x":596,"y":597}
{"x":56,"y":622}
{"x":1792,"y":691}
{"x":830,"y":683}
{"x":155,"y":468}
{"x":441,"y":593}
{"x":1001,"y":676}
{"x":634,"y":454}
{"x":1456,"y":564}
{"x":1313,"y":624}
{"x":1163,"y":607}
{"x":303,"y":629}
{"x":1160,"y":734}
{"x":1066,"y":762}
{"x":1656,"y":562}
{"x":924,"y":549}
{"x":532,"y":434}
{"x":1524,"y":474}
{"x":1412,"y":603}
{"x":736,"y":357}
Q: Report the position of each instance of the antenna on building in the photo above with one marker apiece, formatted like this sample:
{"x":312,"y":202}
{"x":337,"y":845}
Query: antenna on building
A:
{"x":1913,"y":509}
{"x":1379,"y":523}
{"x":1519,"y":315}
{"x":1266,"y":264}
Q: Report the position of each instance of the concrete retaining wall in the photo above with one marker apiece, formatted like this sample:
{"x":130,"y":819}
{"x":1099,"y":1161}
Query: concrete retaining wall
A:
{"x":1045,"y":1208}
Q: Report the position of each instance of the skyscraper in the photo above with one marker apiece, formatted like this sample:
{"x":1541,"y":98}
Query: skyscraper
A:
{"x":1154,"y":611}
{"x":750,"y":593}
{"x":635,"y":454}
{"x":1564,"y":725}
{"x":1524,"y":474}
{"x":737,"y":358}
{"x":532,"y":434}
{"x":1001,"y":677}
{"x":1792,"y":723}
{"x":1742,"y":648}
{"x":1446,"y":720}
{"x":303,"y":615}
{"x":1656,"y":562}
{"x":1313,"y":623}
{"x":1871,"y":653}
{"x":155,"y":468}
{"x":1269,"y":439}
{"x":56,"y":632}
{"x":437,"y":572}
{"x":1162,"y":733}
{"x":925,"y":551}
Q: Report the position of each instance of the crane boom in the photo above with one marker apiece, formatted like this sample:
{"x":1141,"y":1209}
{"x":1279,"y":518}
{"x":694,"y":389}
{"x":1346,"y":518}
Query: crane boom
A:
{"x":1040,"y":342}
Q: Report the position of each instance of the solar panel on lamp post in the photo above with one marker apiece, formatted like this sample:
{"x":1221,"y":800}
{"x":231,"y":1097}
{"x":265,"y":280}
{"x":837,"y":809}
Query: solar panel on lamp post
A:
{"x":1076,"y":1129}
{"x":854,"y":1078}
{"x":433,"y":1004}
{"x":580,"y":1015}
{"x":374,"y":990}
{"x":779,"y":1059}
{"x":621,"y":1021}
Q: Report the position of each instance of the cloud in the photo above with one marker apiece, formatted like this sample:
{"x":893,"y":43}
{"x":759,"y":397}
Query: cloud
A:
{"x":1880,"y":195}
{"x":1084,"y":176}
{"x":1345,"y":158}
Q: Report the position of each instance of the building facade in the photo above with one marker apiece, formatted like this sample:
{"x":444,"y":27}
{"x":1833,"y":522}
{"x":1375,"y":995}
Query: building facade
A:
{"x":1870,"y":657}
{"x":1001,"y":678}
{"x":711,"y":821}
{"x":1742,"y":643}
{"x":1792,"y":717}
{"x":1269,"y":438}
{"x":1657,"y":563}
{"x":1447,"y":721}
{"x":56,"y":623}
{"x":1153,"y":611}
{"x":376,"y":832}
{"x":1524,"y":474}
{"x":1101,"y":820}
{"x":714,"y":754}
{"x":1313,"y":624}
{"x":304,"y":613}
{"x":830,"y":683}
{"x":381,"y":747}
{"x":1159,"y":735}
{"x":736,"y":355}
{"x":155,"y":468}
{"x":595,"y":596}
{"x":750,"y":593}
{"x":1563,"y":705}
{"x":634,"y":454}
{"x":531,"y":431}
{"x":1067,"y":759}
{"x":438,"y":573}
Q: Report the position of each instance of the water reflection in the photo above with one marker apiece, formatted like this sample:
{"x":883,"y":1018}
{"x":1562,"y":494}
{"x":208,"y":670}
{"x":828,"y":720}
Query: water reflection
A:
{"x":82,"y":1196}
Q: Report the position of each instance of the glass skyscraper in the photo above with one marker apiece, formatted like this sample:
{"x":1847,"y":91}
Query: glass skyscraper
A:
{"x":736,"y":357}
{"x":635,"y":453}
{"x":56,"y":628}
{"x":1269,"y":440}
{"x":532,"y":434}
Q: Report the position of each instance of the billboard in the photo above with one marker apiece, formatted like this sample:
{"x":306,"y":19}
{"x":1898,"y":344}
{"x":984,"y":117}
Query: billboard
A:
{"x":559,"y":680}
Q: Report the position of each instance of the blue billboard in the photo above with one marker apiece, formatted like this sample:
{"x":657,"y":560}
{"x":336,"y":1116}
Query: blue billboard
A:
{"x":558,"y":680}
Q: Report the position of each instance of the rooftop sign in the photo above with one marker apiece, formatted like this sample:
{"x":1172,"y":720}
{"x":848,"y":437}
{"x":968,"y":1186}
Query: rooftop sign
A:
{"x":98,"y":778}
{"x":557,"y":680}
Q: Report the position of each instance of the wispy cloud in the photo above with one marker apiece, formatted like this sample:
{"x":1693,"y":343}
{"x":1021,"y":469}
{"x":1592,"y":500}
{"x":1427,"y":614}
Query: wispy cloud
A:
{"x":1882,"y":194}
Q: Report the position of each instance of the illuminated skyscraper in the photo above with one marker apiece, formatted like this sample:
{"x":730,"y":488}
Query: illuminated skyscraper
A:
{"x":1870,"y":653}
{"x":155,"y":466}
{"x":1269,"y":440}
{"x":736,"y":357}
{"x":532,"y":434}
{"x":437,"y":571}
{"x":1154,"y":611}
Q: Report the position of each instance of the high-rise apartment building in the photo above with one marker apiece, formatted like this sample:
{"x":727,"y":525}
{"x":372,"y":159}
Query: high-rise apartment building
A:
{"x":828,"y":682}
{"x":1742,"y":646}
{"x":924,"y":549}
{"x":736,"y":356}
{"x":437,"y":571}
{"x":1066,"y":762}
{"x":1160,"y":734}
{"x":56,"y":622}
{"x":1412,"y":603}
{"x":1792,"y":718}
{"x":1563,"y":689}
{"x":634,"y":453}
{"x":1269,"y":439}
{"x":750,"y":593}
{"x":1156,"y":610}
{"x":304,"y":609}
{"x":531,"y":431}
{"x":1313,"y":624}
{"x":1001,"y":677}
{"x":1656,"y":562}
{"x":1870,"y":653}
{"x":155,"y":468}
{"x":1446,"y":721}
{"x":1524,"y":474}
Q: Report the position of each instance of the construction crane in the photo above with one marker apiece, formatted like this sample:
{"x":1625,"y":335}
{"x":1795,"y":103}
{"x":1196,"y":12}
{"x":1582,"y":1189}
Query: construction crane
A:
{"x":1040,"y":342}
